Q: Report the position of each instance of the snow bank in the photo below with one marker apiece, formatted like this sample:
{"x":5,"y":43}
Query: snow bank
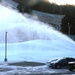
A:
{"x":37,"y":50}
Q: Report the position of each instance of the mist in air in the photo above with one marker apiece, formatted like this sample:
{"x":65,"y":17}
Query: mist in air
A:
{"x":22,"y":28}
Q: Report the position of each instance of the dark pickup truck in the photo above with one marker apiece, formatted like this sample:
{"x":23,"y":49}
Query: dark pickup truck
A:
{"x":71,"y":66}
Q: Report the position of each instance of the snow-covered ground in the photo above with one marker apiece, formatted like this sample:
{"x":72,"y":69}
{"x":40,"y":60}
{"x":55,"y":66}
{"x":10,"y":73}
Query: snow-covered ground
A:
{"x":39,"y":70}
{"x":30,"y":40}
{"x":37,"y":50}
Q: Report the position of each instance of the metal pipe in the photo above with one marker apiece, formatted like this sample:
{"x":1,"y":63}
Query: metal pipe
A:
{"x":5,"y":47}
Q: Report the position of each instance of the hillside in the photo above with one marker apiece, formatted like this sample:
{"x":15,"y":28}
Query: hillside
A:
{"x":52,"y":19}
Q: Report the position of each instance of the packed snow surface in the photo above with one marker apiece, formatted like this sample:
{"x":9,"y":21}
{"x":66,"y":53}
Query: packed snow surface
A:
{"x":37,"y":50}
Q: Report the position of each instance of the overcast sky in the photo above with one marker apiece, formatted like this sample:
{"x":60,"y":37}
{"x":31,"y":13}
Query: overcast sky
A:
{"x":72,"y":2}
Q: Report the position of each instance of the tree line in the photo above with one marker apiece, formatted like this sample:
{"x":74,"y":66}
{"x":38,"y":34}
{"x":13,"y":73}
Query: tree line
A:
{"x":54,"y":8}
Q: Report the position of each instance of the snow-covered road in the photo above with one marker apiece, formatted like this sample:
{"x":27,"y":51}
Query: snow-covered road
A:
{"x":39,"y":70}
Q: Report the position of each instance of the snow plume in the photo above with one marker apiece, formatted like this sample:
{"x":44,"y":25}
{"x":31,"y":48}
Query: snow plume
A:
{"x":21,"y":28}
{"x":9,"y":3}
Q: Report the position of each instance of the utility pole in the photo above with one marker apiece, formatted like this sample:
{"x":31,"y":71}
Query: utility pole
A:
{"x":5,"y":59}
{"x":22,"y":9}
{"x":69,"y":29}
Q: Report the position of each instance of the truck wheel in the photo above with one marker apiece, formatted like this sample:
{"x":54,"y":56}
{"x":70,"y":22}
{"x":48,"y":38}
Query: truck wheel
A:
{"x":70,"y":69}
{"x":58,"y":66}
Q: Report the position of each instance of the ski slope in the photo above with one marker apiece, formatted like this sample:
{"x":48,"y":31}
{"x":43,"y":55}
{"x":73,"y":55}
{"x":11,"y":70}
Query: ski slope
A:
{"x":31,"y":40}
